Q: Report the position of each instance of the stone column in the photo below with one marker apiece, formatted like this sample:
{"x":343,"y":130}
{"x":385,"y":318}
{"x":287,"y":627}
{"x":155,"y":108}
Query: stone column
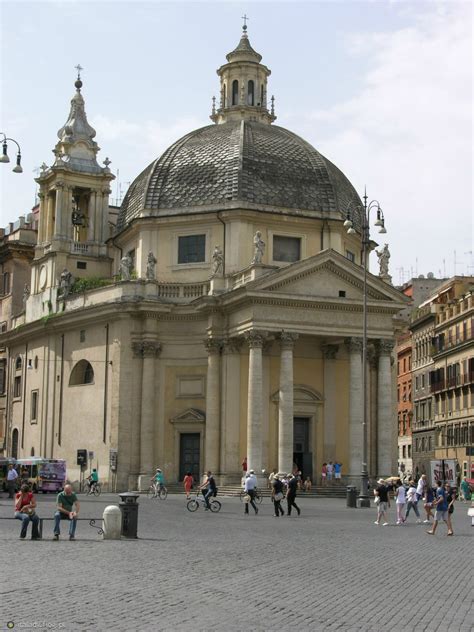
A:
{"x":285,"y":407}
{"x":255,"y":341}
{"x":149,"y":350}
{"x":103,"y":234}
{"x":330,"y":397}
{"x":213,"y":409}
{"x":230,"y":398}
{"x":384,"y":409}
{"x":57,"y":229}
{"x":355,"y":408}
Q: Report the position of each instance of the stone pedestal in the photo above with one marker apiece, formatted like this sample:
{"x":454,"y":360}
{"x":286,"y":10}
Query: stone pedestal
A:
{"x":112,"y":523}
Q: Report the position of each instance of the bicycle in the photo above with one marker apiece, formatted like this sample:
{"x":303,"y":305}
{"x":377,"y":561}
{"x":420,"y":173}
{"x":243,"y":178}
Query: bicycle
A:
{"x":194,"y":503}
{"x":93,"y":490}
{"x":258,"y":496}
{"x":157,"y":491}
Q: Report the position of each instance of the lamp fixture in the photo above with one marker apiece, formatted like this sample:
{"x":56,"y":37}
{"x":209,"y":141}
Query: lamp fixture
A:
{"x":4,"y":158}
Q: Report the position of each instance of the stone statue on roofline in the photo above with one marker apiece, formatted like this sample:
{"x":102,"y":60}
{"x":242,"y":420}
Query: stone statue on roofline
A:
{"x":217,"y":268}
{"x":150,"y":267}
{"x":259,"y":248}
{"x":66,"y":281}
{"x":125,"y":269}
{"x":384,"y":257}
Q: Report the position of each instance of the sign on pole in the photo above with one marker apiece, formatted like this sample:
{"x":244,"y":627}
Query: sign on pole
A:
{"x":449,"y":475}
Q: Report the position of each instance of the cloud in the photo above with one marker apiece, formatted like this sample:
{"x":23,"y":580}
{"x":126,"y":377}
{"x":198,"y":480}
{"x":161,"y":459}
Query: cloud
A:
{"x":407,"y":134}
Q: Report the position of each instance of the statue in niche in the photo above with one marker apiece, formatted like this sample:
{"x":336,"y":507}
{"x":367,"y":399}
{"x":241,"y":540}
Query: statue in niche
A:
{"x":65,"y":283}
{"x":217,"y":262}
{"x":383,"y":257}
{"x":125,"y":270}
{"x":150,"y":266}
{"x":259,"y":248}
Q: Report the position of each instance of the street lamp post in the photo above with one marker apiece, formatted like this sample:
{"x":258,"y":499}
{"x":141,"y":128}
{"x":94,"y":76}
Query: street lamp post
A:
{"x":364,"y":213}
{"x":5,"y":158}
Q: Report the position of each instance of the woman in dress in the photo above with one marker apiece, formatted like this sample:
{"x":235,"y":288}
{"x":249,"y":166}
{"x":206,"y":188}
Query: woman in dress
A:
{"x":188,"y":484}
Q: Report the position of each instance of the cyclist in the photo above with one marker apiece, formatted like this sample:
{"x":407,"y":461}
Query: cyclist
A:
{"x":93,"y":480}
{"x":210,"y":486}
{"x":158,"y":480}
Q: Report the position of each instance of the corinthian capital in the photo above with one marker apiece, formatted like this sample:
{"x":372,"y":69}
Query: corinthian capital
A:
{"x":353,"y":344}
{"x":255,"y":338}
{"x":329,"y":351}
{"x":146,"y":348}
{"x":385,"y":347}
{"x":287,"y":340}
{"x":213,"y":345}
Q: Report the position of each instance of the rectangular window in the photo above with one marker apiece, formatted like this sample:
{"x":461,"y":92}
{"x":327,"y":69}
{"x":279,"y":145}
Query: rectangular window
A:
{"x":286,"y":248}
{"x":409,"y":451}
{"x":131,"y":254}
{"x":17,"y":386}
{"x":82,"y":335}
{"x":404,"y":452}
{"x":34,"y":407}
{"x":81,"y":265}
{"x":3,"y":373}
{"x":351,"y":256}
{"x":192,"y":249}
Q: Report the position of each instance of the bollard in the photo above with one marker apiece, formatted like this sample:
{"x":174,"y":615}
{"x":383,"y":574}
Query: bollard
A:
{"x":351,"y":496}
{"x":129,"y":508}
{"x":112,"y":521}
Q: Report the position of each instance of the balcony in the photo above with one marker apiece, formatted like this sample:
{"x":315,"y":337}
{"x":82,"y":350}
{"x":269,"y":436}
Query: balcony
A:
{"x":79,"y":248}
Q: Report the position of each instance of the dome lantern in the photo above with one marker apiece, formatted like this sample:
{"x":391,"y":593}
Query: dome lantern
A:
{"x":243,"y":93}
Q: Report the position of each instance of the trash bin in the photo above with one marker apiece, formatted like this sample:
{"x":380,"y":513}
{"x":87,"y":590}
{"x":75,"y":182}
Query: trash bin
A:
{"x":351,"y":496}
{"x":129,"y":508}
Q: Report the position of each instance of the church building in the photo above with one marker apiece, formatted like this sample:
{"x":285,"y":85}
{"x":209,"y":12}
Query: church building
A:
{"x":221,"y":318}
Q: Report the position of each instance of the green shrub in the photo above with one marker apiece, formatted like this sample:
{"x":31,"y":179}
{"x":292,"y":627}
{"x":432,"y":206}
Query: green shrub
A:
{"x":89,"y":283}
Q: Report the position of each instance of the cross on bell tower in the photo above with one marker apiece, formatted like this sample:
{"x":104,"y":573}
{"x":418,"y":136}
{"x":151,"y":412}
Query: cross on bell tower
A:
{"x":243,"y":85}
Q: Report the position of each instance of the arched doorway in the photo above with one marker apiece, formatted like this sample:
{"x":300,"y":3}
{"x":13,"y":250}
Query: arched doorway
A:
{"x":15,"y":435}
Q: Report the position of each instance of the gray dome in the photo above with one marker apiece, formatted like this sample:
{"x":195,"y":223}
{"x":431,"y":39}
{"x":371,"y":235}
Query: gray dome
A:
{"x":262,"y":166}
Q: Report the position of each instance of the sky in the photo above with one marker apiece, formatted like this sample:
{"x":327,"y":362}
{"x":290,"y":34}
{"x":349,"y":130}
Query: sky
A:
{"x":383,"y":88}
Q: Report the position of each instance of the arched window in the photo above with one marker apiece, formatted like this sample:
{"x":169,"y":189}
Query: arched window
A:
{"x":32,"y":452}
{"x":82,"y":373}
{"x":235,"y":92}
{"x":18,"y":364}
{"x":15,"y":444}
{"x":250,"y":93}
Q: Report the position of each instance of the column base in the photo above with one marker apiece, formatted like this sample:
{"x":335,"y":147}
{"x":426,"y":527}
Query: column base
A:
{"x":143,"y":482}
{"x":363,"y":502}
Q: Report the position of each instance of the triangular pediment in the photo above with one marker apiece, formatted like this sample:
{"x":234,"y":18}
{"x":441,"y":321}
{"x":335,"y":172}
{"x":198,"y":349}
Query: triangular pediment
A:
{"x":190,"y":415}
{"x":327,"y":275}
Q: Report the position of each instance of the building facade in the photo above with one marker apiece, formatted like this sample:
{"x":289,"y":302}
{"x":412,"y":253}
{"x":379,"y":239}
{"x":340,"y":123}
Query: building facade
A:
{"x":17,"y":242}
{"x":223,"y":318}
{"x":404,"y":404}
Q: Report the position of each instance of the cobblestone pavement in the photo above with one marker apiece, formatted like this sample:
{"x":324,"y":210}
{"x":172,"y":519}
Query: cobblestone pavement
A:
{"x":329,"y":569}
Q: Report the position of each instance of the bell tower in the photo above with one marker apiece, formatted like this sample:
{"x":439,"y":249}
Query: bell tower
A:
{"x":74,"y":206}
{"x":243,"y":86}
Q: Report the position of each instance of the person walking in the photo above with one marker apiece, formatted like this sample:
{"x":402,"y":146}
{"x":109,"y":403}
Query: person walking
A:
{"x":277,"y":495}
{"x":291,"y":494}
{"x":250,"y":486}
{"x":428,"y":501}
{"x":66,"y":501}
{"x":12,"y":475}
{"x":188,"y":484}
{"x":381,"y":492}
{"x":421,"y":486}
{"x":337,"y":471}
{"x":441,"y":505}
{"x":329,"y":471}
{"x":412,"y":501}
{"x":25,"y":510}
{"x":324,"y":473}
{"x":400,"y":495}
{"x":450,"y":498}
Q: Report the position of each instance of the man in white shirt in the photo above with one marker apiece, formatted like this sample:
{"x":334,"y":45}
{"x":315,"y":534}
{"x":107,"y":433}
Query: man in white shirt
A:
{"x":12,"y":475}
{"x":249,"y":487}
{"x":421,"y":487}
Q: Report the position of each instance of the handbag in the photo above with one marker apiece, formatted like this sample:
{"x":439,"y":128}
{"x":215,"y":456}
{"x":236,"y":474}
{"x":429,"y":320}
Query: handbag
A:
{"x":247,"y":498}
{"x":470,"y":512}
{"x":377,"y":500}
{"x":278,"y":496}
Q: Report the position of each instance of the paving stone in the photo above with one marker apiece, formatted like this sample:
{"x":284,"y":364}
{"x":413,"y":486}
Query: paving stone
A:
{"x":328,"y":569}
